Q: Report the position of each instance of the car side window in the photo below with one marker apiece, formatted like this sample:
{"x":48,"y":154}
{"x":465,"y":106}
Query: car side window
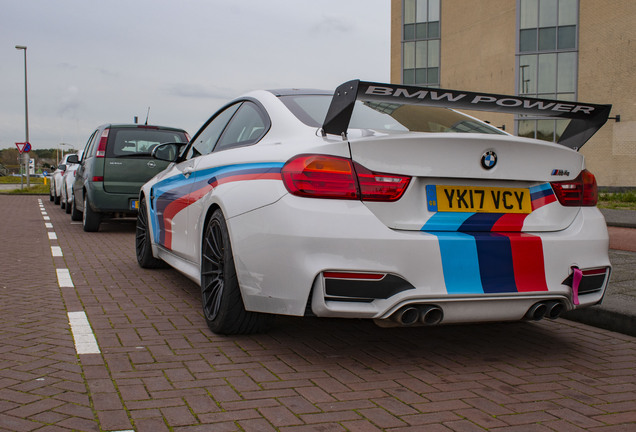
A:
{"x":89,"y":145}
{"x":247,"y":126}
{"x":204,"y":143}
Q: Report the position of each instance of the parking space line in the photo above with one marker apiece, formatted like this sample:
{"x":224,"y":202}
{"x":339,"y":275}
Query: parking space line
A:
{"x":56,"y":251}
{"x":64,"y":278}
{"x":85,"y":342}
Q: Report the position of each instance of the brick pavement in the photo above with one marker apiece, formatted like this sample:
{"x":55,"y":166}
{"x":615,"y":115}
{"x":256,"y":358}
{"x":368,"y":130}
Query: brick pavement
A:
{"x":160,"y":369}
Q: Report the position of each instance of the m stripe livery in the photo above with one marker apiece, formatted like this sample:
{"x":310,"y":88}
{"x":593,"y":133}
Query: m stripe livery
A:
{"x":177,"y":193}
{"x":485,"y":253}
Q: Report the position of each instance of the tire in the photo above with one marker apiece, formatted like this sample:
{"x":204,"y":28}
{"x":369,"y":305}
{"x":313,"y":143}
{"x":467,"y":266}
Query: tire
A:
{"x":51,"y":197}
{"x":67,"y":208}
{"x":143,"y":247}
{"x":56,"y":199}
{"x":90,"y":219}
{"x":62,"y":203}
{"x":223,"y":306}
{"x":76,"y":215}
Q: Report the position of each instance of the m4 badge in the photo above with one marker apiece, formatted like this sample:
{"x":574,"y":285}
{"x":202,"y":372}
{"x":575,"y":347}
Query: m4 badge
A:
{"x":560,"y":172}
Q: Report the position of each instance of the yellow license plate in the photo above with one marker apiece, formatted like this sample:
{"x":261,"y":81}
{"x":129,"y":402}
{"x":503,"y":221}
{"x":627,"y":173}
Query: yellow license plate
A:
{"x":477,"y":199}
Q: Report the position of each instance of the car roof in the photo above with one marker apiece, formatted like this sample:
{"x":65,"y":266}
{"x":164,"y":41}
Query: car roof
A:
{"x":140,"y":126}
{"x":296,"y":91}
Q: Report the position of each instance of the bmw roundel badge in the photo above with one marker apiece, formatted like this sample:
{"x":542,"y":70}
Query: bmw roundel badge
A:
{"x":489,"y":160}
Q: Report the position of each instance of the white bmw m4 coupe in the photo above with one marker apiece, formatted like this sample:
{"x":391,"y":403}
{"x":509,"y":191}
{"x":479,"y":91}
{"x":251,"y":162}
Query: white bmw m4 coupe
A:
{"x":378,"y":201}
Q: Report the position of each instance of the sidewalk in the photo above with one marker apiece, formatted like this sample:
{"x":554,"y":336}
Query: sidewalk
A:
{"x":617,"y":312}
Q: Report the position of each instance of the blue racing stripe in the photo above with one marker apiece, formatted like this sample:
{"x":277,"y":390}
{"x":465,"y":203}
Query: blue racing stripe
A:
{"x":460,"y":263}
{"x":540,"y":191}
{"x":450,"y":221}
{"x":495,"y":263}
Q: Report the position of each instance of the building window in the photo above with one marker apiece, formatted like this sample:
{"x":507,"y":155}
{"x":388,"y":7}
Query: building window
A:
{"x":420,"y":42}
{"x":547,"y":58}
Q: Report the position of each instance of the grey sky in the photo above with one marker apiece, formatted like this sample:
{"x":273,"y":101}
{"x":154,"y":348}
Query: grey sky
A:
{"x":92,"y":62}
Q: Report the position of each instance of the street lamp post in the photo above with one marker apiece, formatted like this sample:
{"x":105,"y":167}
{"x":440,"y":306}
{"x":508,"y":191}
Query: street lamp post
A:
{"x":26,"y":114}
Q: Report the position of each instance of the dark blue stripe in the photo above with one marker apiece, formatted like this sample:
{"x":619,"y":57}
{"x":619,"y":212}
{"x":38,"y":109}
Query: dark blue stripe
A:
{"x":495,"y":263}
{"x":540,"y":191}
{"x":480,"y":222}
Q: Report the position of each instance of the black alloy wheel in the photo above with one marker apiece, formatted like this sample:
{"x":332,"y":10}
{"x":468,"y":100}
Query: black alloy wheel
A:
{"x":220,"y":293}
{"x":143,"y":247}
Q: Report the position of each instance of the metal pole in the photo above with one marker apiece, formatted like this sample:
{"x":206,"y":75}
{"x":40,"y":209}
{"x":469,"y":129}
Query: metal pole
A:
{"x":26,"y":114}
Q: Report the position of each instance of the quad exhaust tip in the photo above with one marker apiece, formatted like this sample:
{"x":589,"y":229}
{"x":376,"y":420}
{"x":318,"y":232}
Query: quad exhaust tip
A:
{"x":425,"y":315}
{"x":540,"y":310}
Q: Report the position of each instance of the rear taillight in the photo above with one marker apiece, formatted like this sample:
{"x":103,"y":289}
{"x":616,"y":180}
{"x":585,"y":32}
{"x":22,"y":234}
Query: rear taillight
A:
{"x":322,"y":176}
{"x":380,"y":187}
{"x":580,"y":192}
{"x":101,"y":147}
{"x":319,"y":176}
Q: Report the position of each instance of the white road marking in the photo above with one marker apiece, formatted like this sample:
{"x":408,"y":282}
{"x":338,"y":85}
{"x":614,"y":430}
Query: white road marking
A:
{"x":85,"y":342}
{"x":48,"y":224}
{"x":52,"y":235}
{"x":47,"y":218}
{"x":56,"y":251}
{"x":64,"y":278}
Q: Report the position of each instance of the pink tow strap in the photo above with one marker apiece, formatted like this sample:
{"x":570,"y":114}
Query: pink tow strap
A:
{"x":576,"y":280}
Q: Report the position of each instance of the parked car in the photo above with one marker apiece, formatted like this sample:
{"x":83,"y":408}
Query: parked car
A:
{"x":115,"y":163}
{"x":66,"y":191}
{"x":55,"y":187}
{"x":375,"y":202}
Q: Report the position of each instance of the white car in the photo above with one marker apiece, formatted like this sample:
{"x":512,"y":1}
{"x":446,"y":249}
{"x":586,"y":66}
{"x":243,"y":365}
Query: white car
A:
{"x":55,"y":188}
{"x":66,"y":189}
{"x":376,"y":202}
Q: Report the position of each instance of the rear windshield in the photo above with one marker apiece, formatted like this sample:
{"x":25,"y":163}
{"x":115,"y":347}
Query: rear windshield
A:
{"x":139,"y":141}
{"x":386,"y":117}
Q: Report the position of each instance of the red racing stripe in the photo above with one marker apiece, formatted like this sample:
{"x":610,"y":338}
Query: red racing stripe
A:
{"x":540,"y":202}
{"x":170,"y":211}
{"x":241,"y":177}
{"x":528,"y":262}
{"x":180,"y":204}
{"x":175,"y":207}
{"x":511,"y":222}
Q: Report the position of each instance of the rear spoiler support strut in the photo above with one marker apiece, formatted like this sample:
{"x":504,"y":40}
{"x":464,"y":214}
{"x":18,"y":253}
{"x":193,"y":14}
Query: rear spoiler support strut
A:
{"x":586,"y":119}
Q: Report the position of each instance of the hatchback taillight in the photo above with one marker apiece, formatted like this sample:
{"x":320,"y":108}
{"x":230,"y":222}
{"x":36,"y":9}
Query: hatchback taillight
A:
{"x":101,"y":147}
{"x":580,"y":192}
{"x":323,"y":176}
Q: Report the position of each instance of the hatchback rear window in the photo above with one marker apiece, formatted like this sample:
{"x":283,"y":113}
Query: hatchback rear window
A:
{"x":139,"y":141}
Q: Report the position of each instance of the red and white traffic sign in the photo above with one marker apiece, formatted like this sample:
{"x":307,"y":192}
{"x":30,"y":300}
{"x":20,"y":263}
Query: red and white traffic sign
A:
{"x":23,"y":147}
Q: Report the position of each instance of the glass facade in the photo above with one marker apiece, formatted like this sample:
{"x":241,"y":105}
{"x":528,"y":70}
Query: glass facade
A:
{"x":547,"y":59}
{"x":421,"y":42}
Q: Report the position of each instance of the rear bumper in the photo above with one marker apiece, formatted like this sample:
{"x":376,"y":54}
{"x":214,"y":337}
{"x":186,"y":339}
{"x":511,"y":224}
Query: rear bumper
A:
{"x":110,"y":203}
{"x":282,"y":252}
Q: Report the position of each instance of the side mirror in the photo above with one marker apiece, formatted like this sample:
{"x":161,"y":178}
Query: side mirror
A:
{"x":167,"y":151}
{"x":72,"y":159}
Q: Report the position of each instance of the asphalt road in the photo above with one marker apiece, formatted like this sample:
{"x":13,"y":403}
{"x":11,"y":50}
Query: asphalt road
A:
{"x":156,"y":367}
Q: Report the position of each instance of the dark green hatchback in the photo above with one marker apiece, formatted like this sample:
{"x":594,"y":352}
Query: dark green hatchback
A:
{"x":115,"y":164}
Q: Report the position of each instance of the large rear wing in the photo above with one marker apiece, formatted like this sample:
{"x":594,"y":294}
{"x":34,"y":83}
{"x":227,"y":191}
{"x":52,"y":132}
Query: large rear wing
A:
{"x":585,"y":118}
